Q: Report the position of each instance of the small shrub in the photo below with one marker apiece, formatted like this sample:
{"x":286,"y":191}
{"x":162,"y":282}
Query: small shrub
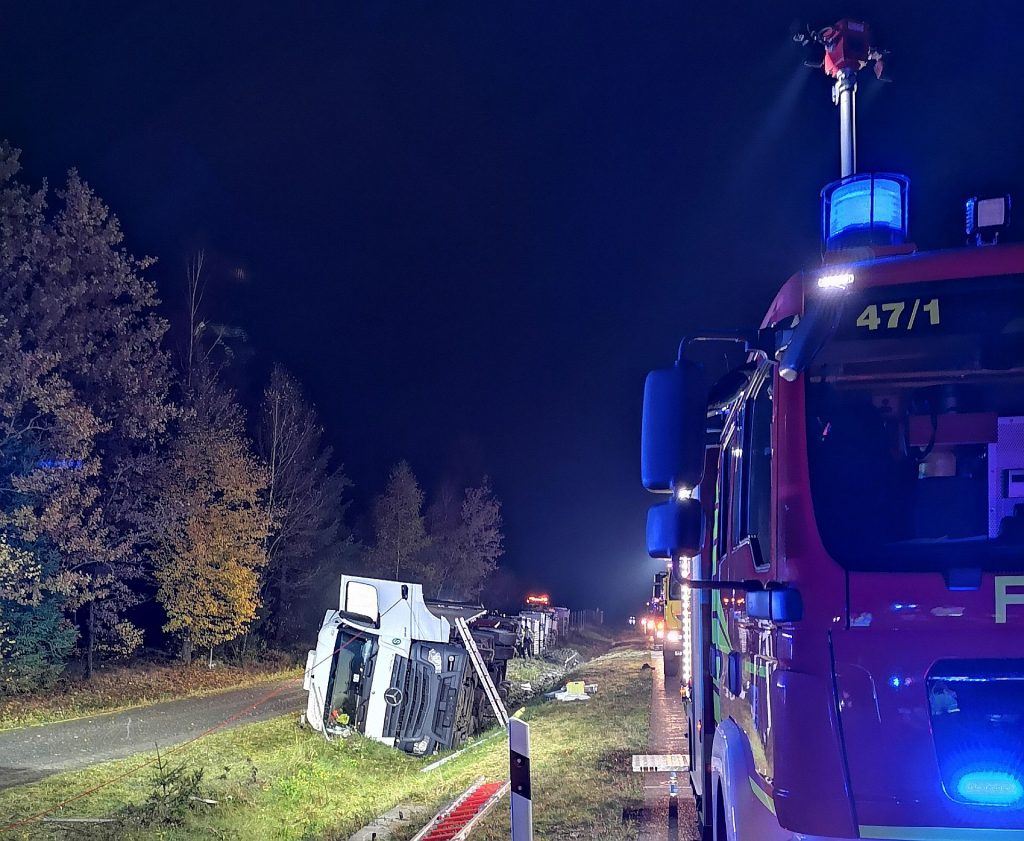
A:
{"x":176,"y":790}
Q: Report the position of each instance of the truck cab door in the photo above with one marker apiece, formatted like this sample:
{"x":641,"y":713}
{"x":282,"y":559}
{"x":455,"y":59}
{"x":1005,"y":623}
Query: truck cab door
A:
{"x":747,"y":646}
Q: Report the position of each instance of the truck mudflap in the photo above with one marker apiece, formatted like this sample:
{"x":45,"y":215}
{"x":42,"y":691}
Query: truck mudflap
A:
{"x":423,"y":700}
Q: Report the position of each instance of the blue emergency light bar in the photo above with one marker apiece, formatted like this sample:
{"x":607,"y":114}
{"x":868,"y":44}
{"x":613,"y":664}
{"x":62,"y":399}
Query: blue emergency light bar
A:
{"x":868,"y":209}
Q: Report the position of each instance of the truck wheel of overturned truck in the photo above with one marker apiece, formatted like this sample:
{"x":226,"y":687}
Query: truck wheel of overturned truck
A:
{"x":671,"y":662}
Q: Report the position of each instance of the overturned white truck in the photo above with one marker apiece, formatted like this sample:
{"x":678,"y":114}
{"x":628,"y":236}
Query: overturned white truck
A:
{"x":419,"y":675}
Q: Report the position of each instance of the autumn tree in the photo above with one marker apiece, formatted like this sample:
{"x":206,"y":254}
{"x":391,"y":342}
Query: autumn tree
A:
{"x":35,"y":637}
{"x":466,"y":540}
{"x":399,"y":527}
{"x":210,"y":523}
{"x":83,"y":397}
{"x":305,"y":498}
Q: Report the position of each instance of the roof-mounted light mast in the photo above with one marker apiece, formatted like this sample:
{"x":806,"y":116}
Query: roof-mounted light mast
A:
{"x":857,"y":210}
{"x":848,"y":49}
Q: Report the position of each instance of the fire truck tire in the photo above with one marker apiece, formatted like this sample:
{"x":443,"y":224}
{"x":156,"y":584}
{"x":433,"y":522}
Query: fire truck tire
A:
{"x":671,"y":662}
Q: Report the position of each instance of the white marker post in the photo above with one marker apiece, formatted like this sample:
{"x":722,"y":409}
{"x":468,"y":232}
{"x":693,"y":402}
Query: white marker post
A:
{"x":519,"y":777}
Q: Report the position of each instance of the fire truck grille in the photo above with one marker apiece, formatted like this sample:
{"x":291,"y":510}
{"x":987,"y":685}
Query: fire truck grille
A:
{"x":977,"y":715}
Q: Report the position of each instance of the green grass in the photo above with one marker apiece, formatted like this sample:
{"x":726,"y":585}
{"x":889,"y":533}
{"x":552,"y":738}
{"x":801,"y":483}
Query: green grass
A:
{"x":272,"y":780}
{"x":581,"y":753}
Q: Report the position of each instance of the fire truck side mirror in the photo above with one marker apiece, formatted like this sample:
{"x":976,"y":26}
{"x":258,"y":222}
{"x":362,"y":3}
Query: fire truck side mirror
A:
{"x":675,"y":528}
{"x":674,"y":424}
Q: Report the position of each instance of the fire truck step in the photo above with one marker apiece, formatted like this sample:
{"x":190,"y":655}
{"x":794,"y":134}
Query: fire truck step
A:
{"x":455,"y":822}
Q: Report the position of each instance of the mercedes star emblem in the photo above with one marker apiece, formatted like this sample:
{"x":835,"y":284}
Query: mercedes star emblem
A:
{"x":393,"y":696}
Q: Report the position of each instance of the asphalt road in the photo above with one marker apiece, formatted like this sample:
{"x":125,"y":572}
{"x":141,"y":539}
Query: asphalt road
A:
{"x":31,"y":753}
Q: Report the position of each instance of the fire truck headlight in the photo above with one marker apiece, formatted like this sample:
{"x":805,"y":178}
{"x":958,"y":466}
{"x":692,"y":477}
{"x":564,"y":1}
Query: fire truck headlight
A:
{"x":673,"y":636}
{"x":992,"y":788}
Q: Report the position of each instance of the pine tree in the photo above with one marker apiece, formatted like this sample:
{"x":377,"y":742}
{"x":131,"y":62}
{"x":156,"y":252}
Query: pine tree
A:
{"x":400,"y":534}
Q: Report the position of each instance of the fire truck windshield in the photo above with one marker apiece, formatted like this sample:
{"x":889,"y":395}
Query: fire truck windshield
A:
{"x":915,"y":424}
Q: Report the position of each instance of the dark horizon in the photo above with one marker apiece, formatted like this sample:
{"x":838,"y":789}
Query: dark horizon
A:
{"x":471,"y":230}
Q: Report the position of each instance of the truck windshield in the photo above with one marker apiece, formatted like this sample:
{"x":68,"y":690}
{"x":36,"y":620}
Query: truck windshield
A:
{"x":353,"y":664}
{"x":915,"y":422}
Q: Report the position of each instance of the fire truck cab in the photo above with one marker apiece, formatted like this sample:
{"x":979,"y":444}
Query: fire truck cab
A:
{"x":845,"y":513}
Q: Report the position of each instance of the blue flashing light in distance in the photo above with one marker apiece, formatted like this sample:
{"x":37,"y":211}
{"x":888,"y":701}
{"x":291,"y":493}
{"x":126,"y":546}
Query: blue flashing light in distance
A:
{"x":865,"y":210}
{"x":991,"y":788}
{"x":60,"y":463}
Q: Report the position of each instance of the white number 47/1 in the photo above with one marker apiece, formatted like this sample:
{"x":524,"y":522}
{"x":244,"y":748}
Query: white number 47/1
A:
{"x":891,"y":314}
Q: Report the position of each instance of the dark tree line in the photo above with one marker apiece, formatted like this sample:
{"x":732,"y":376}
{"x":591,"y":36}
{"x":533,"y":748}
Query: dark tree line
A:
{"x":133,"y":477}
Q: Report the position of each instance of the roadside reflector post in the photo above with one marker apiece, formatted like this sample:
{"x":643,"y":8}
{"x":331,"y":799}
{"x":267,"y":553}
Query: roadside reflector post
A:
{"x":519,"y":777}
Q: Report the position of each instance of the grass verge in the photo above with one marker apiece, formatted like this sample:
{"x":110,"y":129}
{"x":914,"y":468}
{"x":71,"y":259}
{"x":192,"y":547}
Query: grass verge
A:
{"x":272,"y":780}
{"x":123,"y":687}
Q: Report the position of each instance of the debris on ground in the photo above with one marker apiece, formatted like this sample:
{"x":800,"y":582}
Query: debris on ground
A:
{"x":531,"y":676}
{"x":574,"y":690}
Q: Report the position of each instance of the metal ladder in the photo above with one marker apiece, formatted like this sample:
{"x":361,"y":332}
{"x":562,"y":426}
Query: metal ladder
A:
{"x":481,"y":671}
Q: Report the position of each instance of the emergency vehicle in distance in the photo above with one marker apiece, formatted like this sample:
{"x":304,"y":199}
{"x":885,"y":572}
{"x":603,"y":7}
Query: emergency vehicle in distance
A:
{"x":674,"y":614}
{"x":846,"y":512}
{"x":653,"y":621}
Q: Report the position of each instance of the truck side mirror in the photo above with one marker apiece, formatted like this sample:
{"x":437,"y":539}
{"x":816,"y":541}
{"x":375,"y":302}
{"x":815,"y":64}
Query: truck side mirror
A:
{"x":674,"y":423}
{"x":779,"y":604}
{"x":675,"y":527}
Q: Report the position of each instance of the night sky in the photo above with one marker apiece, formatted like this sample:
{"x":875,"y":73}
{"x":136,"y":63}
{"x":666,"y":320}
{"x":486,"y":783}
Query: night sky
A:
{"x":470,"y":228}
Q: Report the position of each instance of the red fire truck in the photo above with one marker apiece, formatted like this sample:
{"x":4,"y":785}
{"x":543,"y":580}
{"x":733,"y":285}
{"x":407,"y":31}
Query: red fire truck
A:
{"x":846,"y":510}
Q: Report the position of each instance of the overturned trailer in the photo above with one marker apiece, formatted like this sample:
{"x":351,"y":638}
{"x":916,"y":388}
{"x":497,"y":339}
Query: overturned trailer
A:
{"x":544,"y":627}
{"x":415,"y":674}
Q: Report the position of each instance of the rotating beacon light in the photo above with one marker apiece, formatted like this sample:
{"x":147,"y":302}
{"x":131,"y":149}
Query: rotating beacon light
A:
{"x":868,"y":209}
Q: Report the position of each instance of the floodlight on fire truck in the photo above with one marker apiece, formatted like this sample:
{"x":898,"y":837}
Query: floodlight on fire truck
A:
{"x":868,"y":209}
{"x":987,"y":218}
